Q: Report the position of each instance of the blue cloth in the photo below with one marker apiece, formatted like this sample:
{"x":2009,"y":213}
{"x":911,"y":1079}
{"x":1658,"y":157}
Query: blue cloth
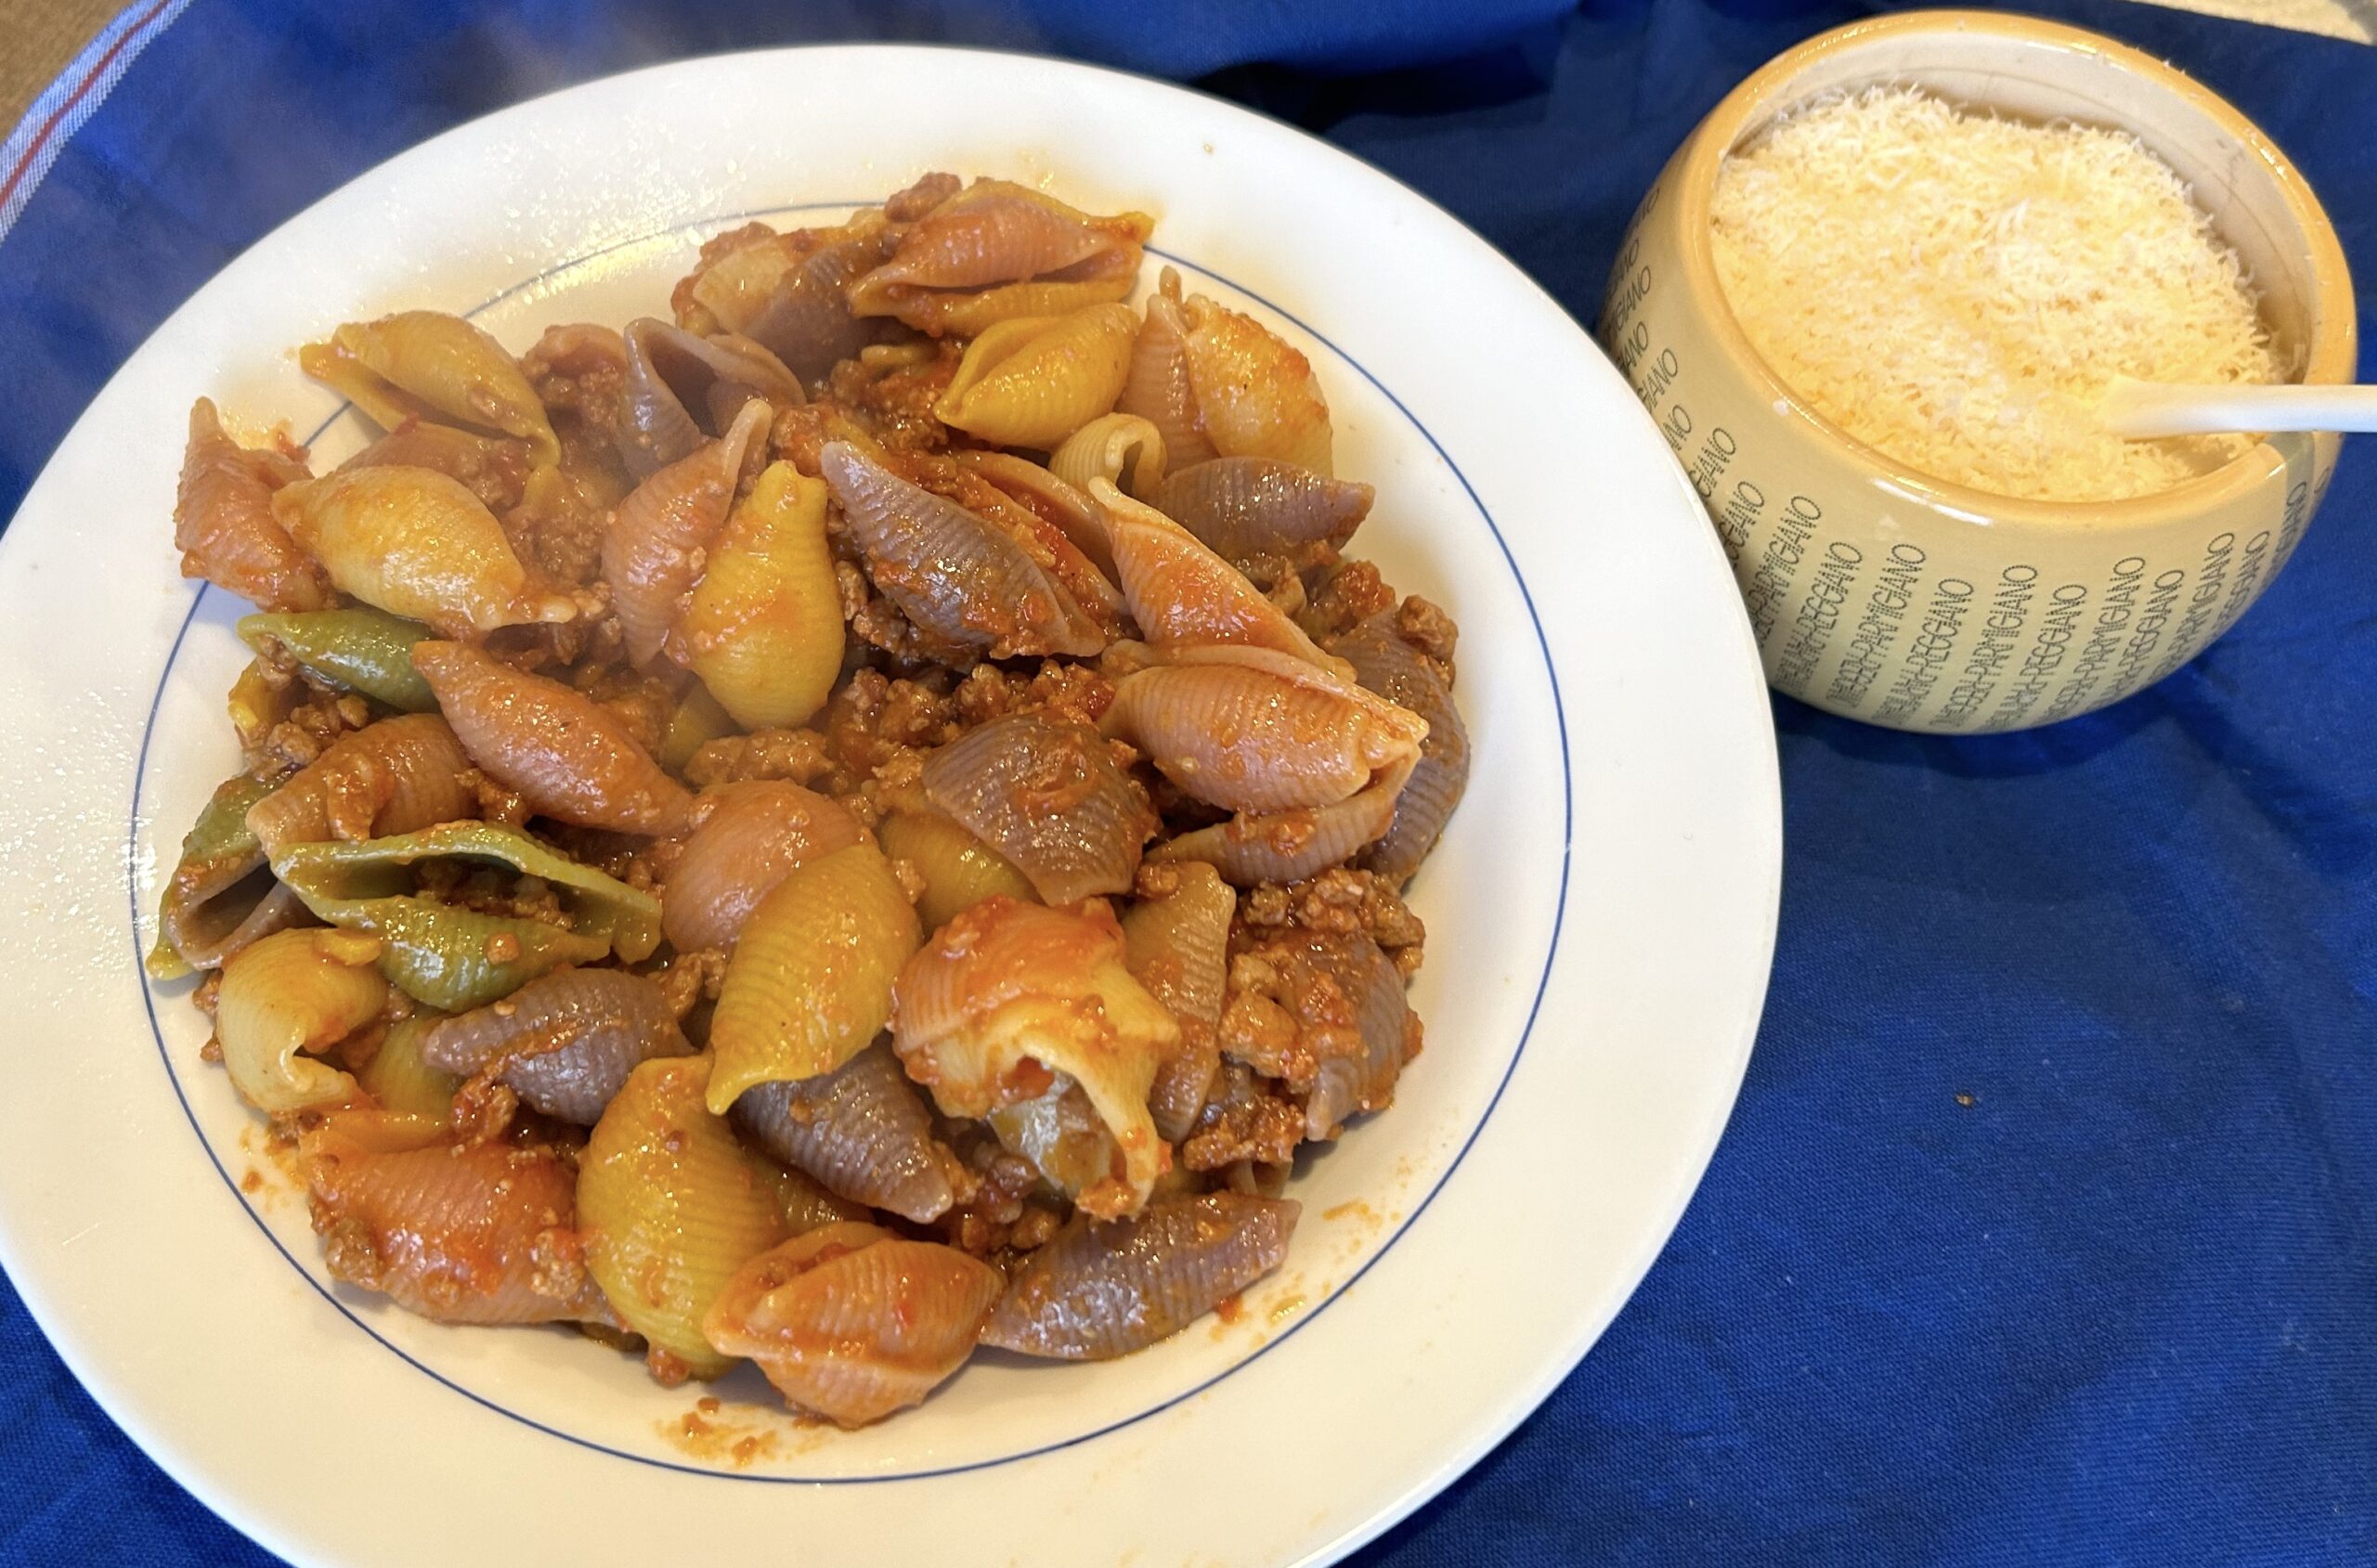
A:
{"x":2047,"y":1229}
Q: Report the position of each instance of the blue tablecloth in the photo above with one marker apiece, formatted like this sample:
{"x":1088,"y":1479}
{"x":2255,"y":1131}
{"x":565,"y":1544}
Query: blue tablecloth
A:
{"x":2046,"y":1227}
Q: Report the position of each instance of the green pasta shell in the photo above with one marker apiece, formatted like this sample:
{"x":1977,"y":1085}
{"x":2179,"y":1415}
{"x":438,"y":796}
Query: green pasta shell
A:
{"x":216,"y":852}
{"x":368,"y":650}
{"x":456,"y":959}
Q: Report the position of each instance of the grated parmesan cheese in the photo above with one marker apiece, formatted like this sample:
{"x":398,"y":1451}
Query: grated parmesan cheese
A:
{"x":1958,"y":290}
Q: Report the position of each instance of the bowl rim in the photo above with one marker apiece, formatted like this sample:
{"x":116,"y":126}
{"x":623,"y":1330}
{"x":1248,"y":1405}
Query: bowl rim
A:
{"x":2330,"y":355}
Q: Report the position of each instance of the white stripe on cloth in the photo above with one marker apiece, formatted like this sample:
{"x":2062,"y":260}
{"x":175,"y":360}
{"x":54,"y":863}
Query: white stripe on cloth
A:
{"x":33,"y":146}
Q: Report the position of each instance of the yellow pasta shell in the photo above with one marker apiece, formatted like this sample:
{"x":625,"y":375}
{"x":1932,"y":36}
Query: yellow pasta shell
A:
{"x":418,"y":544}
{"x":427,"y":364}
{"x":764,"y":625}
{"x":290,"y":994}
{"x":1035,"y":380}
{"x":1124,"y":449}
{"x":696,"y":720}
{"x":959,"y":869}
{"x":401,"y":1082}
{"x":809,"y":982}
{"x":671,"y":1206}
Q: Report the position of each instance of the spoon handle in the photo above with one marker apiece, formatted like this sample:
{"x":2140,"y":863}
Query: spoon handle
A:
{"x":2140,"y":409}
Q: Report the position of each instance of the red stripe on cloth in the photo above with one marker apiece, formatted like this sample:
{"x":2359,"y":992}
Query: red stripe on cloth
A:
{"x":98,"y":68}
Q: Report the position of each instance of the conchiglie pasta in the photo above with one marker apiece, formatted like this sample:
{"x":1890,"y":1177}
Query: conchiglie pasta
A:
{"x":672,"y":1206}
{"x":852,"y":1323}
{"x":1124,"y":449}
{"x":1035,"y":380}
{"x":397,"y":776}
{"x":1250,"y":730}
{"x":417,"y":544}
{"x":426,"y":364}
{"x":482,"y":1233}
{"x":959,"y":869}
{"x":566,"y":755}
{"x":1178,"y":944}
{"x":1008,"y":996}
{"x":220,"y":896}
{"x":752,"y":837}
{"x":225,"y":526}
{"x":293,"y":993}
{"x":763,"y":629}
{"x":1256,"y":396}
{"x":1185,"y":596}
{"x":810,"y":984}
{"x":453,"y":958}
{"x":696,"y":720}
{"x":399,"y":1079}
{"x":657,"y":540}
{"x":997,"y":250}
{"x":361,"y":648}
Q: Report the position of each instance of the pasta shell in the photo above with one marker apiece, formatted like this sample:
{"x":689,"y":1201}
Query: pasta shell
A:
{"x":1245,"y":507}
{"x":1047,"y":796}
{"x":223,"y":522}
{"x":366,"y":650}
{"x":1100,"y":1290}
{"x":1283,"y":846}
{"x":811,"y":981}
{"x":397,"y":776}
{"x":290,"y":993}
{"x":1034,"y":381}
{"x":1185,"y":596}
{"x":564,"y":1043}
{"x":1158,"y":389}
{"x":401,"y":1082}
{"x":997,"y":250}
{"x":753,"y":835}
{"x":1256,"y":396}
{"x":863,"y":1131}
{"x":495,"y":468}
{"x":1057,"y":504}
{"x":220,"y":896}
{"x":852,"y":1323}
{"x":784,"y":291}
{"x":951,"y":572}
{"x":1178,"y":946}
{"x":1061,"y":1134}
{"x":566,"y":755}
{"x":1352,"y":982}
{"x":418,"y":545}
{"x":1387,"y":664}
{"x":658,"y":540}
{"x":1009,"y":995}
{"x":453,"y":958}
{"x":959,"y":869}
{"x":672,"y":1206}
{"x":763,"y":629}
{"x":426,"y":364}
{"x":1249,"y":730}
{"x":681,"y":386}
{"x":694,"y":722}
{"x":1124,"y":449}
{"x":481,"y":1234}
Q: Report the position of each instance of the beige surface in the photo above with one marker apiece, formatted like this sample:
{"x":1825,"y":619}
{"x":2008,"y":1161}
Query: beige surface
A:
{"x":37,"y":37}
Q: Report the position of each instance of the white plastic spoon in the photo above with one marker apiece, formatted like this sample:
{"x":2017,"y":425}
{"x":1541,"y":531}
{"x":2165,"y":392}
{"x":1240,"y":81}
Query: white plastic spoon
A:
{"x":2142,"y":409}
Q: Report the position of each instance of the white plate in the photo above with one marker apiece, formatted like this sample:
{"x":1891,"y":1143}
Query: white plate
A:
{"x":1601,"y":914}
